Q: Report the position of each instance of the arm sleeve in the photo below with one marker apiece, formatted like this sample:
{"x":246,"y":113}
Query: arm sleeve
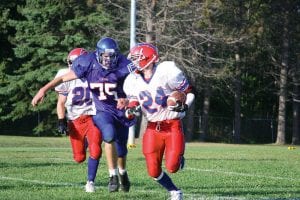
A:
{"x":189,"y":99}
{"x":176,"y":78}
{"x":128,"y":88}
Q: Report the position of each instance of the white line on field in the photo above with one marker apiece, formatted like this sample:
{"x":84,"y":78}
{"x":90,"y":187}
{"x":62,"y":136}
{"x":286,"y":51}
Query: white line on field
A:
{"x":50,"y":183}
{"x":38,"y":182}
{"x":241,"y":174}
{"x":188,"y":196}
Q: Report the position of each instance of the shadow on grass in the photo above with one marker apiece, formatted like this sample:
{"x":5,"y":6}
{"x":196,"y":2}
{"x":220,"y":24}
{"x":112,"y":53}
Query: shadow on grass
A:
{"x":271,"y":191}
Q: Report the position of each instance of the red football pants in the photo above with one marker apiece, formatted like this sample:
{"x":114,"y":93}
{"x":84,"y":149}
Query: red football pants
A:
{"x":79,"y":129}
{"x":160,"y":139}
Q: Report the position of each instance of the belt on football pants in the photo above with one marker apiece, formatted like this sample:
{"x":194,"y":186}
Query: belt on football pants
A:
{"x":161,"y":124}
{"x":82,"y":119}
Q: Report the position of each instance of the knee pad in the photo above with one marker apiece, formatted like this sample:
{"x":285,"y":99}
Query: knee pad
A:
{"x":108,"y":138}
{"x":79,"y":158}
{"x":172,"y":167}
{"x":154,"y":172}
{"x":108,"y":133}
{"x":95,"y":151}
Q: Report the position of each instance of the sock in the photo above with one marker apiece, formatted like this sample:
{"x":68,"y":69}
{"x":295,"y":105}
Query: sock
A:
{"x":113,"y":172}
{"x":92,"y":169}
{"x":122,"y":171}
{"x":166,"y":181}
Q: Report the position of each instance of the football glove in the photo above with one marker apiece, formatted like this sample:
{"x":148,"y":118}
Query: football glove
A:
{"x":132,"y":112}
{"x":179,"y":107}
{"x":131,"y":146}
{"x":62,"y":126}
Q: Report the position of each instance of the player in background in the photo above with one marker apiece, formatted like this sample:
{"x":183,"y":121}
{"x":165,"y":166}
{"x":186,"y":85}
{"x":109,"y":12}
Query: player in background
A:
{"x":105,"y":71}
{"x":148,"y":90}
{"x":75,"y":97}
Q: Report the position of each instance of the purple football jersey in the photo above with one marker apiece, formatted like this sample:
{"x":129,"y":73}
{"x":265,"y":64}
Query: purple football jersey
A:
{"x":105,"y":84}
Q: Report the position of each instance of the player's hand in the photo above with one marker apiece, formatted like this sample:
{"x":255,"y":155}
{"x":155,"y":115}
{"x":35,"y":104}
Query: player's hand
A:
{"x":38,"y":97}
{"x":132,"y":112}
{"x":62,"y":126}
{"x":179,"y":107}
{"x":122,"y":103}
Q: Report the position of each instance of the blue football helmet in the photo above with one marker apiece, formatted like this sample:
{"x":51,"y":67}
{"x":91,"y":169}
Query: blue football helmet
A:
{"x":108,"y":46}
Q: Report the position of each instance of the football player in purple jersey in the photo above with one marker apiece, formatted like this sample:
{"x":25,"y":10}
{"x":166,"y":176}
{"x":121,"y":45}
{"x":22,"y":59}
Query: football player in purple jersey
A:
{"x":105,"y":71}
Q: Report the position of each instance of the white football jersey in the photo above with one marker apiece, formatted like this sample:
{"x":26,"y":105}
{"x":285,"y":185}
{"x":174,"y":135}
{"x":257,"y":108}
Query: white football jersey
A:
{"x":152,"y":94}
{"x":79,"y":97}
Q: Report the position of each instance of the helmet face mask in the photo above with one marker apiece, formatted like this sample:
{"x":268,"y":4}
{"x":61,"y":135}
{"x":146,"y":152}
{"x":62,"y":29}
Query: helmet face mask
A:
{"x":107,"y":59}
{"x":107,"y":52}
{"x":142,"y":55}
{"x":74,"y":54}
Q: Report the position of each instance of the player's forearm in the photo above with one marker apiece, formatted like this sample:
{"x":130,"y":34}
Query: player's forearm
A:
{"x":60,"y":106}
{"x":60,"y":109}
{"x":53,"y":83}
{"x":41,"y":93}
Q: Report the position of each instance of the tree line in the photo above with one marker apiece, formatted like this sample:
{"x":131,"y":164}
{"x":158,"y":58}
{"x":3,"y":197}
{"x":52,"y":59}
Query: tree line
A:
{"x":242,"y":57}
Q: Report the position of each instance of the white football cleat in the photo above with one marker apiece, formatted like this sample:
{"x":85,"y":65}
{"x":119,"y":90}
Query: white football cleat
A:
{"x":90,"y":186}
{"x":176,"y":195}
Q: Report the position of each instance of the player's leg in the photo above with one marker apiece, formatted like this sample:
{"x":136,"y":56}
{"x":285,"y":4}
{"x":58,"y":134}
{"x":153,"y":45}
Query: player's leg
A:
{"x":153,"y":149}
{"x":111,"y":156}
{"x":174,"y":151}
{"x":121,"y":146}
{"x":105,"y":122}
{"x":77,"y":141}
{"x":94,"y":139}
{"x":175,"y":146}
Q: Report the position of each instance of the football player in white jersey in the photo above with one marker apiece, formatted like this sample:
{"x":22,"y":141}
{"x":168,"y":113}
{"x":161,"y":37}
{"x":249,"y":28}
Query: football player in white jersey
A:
{"x":75,"y":97}
{"x":148,"y":89}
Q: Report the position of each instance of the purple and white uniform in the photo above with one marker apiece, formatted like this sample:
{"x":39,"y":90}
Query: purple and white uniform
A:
{"x":106,"y":85}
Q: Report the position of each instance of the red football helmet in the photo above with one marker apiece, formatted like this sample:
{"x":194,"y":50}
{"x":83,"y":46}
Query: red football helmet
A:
{"x":74,"y":54}
{"x":142,"y":55}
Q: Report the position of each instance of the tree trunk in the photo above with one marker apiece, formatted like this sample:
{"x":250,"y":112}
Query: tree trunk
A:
{"x":296,"y":104}
{"x":237,"y":83}
{"x":150,"y":38}
{"x":296,"y":118}
{"x":283,"y":82}
{"x":282,"y":107}
{"x":237,"y":100}
{"x":150,"y":15}
{"x":205,"y":114}
{"x":189,"y":123}
{"x":207,"y":95}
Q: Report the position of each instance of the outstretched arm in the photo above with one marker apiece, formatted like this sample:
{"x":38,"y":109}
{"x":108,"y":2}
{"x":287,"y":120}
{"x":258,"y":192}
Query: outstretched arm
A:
{"x":42,"y":92}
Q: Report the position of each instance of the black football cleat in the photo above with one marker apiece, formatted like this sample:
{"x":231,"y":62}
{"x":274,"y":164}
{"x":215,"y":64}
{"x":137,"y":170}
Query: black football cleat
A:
{"x":124,"y":182}
{"x":113,"y":185}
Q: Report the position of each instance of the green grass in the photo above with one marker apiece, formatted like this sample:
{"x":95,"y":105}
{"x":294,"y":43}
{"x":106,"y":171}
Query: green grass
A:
{"x":42,"y":168}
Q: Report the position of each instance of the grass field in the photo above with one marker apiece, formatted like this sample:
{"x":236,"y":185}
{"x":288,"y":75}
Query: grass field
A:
{"x":42,"y":168}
